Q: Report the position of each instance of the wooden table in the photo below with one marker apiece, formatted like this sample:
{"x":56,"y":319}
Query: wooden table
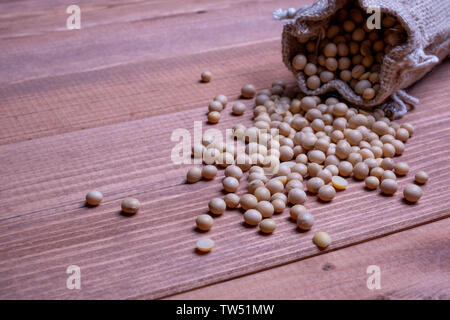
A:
{"x":95,"y":108}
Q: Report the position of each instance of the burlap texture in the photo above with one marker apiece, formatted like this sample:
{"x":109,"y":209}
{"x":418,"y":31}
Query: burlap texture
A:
{"x":427,"y":23}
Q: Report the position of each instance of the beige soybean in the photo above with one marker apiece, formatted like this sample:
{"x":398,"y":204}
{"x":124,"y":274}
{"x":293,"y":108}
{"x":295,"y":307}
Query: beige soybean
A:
{"x":339,"y":183}
{"x":232,"y":200}
{"x":286,"y":153}
{"x":388,"y":174}
{"x":401,"y":168}
{"x":412,"y":192}
{"x":345,"y":168}
{"x":316,"y":156}
{"x":248,"y":91}
{"x":256,"y":169}
{"x":238,"y":108}
{"x":94,"y":197}
{"x":265,"y":208}
{"x":409,"y":127}
{"x":314,"y":184}
{"x":252,"y":217}
{"x":314,"y":169}
{"x":310,"y":69}
{"x":230,"y":184}
{"x":217,"y":206}
{"x":313,"y":82}
{"x":197,"y":150}
{"x":275,"y":186}
{"x":215,"y":106}
{"x":305,"y":221}
{"x":387,"y":164}
{"x":130,"y":205}
{"x":293,"y":184}
{"x":361,"y":170}
{"x":267,"y":226}
{"x":343,"y":149}
{"x":213,"y":117}
{"x":204,"y":245}
{"x":372,"y":182}
{"x":257,"y":176}
{"x":421,"y":177}
{"x":279,"y":195}
{"x":262,"y":193}
{"x":388,"y":150}
{"x":255,"y":184}
{"x":333,"y":169}
{"x":222,"y":99}
{"x":322,"y":239}
{"x":402,"y":134}
{"x":295,"y":210}
{"x":354,"y":137}
{"x":206,"y":76}
{"x":325,"y":175}
{"x":204,"y":222}
{"x":233,"y":171}
{"x":278,"y":205}
{"x":294,"y":176}
{"x":377,"y":172}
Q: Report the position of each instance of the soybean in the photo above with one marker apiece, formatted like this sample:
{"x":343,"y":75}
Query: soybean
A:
{"x":267,"y":226}
{"x":322,"y":239}
{"x":94,"y":197}
{"x":130,"y":205}
{"x":204,"y":222}
{"x":412,"y":192}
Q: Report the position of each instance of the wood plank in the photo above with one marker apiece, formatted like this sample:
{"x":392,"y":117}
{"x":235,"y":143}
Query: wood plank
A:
{"x":414,"y":264}
{"x":45,"y":227}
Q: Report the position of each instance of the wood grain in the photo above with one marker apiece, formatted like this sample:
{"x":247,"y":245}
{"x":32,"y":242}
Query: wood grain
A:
{"x":414,"y":264}
{"x":45,"y":226}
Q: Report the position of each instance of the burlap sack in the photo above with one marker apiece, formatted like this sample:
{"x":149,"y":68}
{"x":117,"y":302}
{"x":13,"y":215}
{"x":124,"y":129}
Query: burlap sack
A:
{"x":427,"y":23}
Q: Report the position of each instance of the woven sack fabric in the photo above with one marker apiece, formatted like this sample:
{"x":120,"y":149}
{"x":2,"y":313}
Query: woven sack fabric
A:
{"x":426,"y":22}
